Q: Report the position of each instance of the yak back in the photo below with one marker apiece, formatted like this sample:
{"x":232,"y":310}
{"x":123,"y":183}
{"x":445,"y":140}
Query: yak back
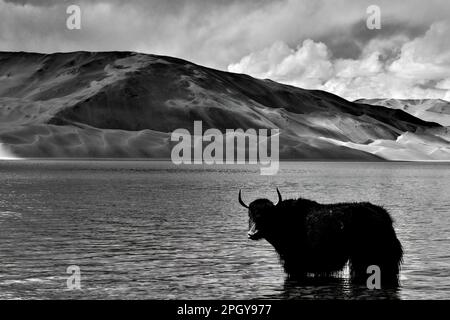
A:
{"x":320,"y":235}
{"x":349,"y":214}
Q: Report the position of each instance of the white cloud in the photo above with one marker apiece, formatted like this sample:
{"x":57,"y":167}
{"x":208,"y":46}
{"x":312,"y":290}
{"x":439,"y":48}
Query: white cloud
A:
{"x":427,"y":57}
{"x":444,"y":84}
{"x":394,"y":67}
{"x":350,"y":68}
{"x":307,"y":66}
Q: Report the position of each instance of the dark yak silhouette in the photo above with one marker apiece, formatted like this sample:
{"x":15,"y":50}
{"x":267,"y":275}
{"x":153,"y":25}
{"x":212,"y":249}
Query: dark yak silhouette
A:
{"x":319,"y":239}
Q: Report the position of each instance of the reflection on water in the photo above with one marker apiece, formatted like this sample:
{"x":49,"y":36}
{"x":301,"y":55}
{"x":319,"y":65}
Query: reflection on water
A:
{"x":331,"y":288}
{"x":142,"y":230}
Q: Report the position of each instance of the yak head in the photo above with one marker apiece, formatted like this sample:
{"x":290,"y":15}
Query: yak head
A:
{"x":260,"y":216}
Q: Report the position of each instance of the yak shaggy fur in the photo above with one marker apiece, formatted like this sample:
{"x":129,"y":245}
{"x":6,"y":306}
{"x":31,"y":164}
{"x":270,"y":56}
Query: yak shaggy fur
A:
{"x":319,"y":239}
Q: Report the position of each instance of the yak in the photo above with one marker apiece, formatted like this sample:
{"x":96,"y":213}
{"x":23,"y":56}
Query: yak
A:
{"x":320,"y":239}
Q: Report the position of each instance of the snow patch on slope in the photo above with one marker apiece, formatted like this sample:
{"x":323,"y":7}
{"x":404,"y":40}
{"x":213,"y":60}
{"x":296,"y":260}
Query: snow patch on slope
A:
{"x":5,"y":154}
{"x":408,"y":147}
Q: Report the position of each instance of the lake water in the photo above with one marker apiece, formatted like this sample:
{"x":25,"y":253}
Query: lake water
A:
{"x":151,"y":230}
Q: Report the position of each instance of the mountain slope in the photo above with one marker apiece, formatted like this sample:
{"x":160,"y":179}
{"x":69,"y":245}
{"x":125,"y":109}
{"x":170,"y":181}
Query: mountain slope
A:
{"x":124,"y":104}
{"x":435,"y":110}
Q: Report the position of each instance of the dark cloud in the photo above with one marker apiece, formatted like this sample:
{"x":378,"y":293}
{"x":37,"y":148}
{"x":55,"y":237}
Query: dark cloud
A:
{"x":210,"y":32}
{"x":349,"y":43}
{"x":318,"y":43}
{"x":37,"y":3}
{"x":160,"y":5}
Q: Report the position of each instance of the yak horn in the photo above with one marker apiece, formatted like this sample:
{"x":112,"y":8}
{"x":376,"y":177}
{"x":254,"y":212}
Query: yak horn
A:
{"x":279,"y":197}
{"x":242,"y":202}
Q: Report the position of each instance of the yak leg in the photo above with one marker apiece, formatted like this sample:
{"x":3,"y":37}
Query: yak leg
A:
{"x":383,"y":251}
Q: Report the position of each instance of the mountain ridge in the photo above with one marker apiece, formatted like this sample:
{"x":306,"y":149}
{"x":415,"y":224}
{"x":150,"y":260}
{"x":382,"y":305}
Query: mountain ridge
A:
{"x":434,"y":110}
{"x":125,"y":104}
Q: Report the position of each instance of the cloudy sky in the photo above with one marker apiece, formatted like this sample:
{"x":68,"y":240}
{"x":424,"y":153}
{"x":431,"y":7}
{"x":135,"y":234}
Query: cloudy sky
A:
{"x":320,"y":44}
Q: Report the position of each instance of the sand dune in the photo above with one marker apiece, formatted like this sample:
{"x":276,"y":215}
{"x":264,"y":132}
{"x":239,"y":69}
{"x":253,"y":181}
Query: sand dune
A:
{"x":71,"y":141}
{"x":407,"y":147}
{"x":123,"y":104}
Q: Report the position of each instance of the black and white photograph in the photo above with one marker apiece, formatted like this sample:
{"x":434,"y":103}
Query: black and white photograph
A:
{"x":212,"y":150}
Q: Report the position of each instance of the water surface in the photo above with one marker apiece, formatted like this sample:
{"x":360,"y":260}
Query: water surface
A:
{"x":151,"y":230}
